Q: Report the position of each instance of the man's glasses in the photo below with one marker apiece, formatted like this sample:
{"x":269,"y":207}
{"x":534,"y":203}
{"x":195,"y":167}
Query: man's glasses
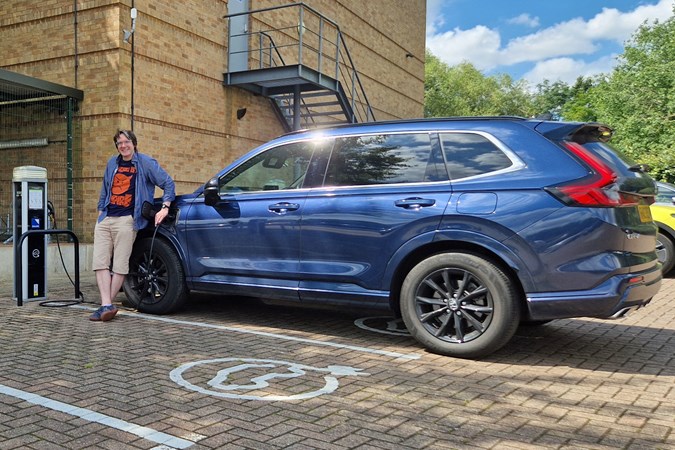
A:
{"x":120,"y":143}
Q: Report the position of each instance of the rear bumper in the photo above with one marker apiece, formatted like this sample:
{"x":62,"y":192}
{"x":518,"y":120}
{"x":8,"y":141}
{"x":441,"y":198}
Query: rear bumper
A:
{"x":611,"y":300}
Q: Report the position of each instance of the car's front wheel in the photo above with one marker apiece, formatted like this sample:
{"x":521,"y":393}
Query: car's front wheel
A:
{"x":459,"y":304}
{"x":156,"y":282}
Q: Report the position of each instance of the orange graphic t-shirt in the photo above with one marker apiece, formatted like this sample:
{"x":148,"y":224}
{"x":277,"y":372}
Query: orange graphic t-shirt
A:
{"x":122,"y":191}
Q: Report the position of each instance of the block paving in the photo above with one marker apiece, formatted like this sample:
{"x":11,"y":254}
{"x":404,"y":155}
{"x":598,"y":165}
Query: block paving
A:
{"x":69,"y":383}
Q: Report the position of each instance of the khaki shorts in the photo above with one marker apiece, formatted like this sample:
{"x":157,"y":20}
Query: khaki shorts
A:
{"x":113,"y":240}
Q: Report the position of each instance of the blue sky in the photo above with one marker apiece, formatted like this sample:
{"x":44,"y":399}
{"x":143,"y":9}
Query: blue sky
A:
{"x":537,"y":39}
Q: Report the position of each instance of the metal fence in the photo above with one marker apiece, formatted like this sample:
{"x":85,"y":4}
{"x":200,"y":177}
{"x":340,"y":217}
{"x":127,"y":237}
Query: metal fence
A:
{"x":37,"y":128}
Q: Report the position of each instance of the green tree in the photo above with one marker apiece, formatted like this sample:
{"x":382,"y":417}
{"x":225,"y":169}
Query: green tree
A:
{"x":564,"y":102}
{"x":578,"y":106}
{"x":638,"y":98}
{"x":463,"y":90}
{"x":550,"y":98}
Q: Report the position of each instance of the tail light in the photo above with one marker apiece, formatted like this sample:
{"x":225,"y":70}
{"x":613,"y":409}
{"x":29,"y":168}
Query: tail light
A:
{"x":597,"y":190}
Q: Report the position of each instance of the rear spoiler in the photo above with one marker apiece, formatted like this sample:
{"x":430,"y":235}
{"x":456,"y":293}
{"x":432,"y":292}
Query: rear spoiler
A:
{"x":579,"y":132}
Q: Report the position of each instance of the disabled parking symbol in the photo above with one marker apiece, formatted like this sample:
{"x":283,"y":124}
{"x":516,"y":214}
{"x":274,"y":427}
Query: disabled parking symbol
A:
{"x":259,"y":379}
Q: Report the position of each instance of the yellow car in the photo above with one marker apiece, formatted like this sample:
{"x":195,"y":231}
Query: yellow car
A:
{"x":663,"y":214}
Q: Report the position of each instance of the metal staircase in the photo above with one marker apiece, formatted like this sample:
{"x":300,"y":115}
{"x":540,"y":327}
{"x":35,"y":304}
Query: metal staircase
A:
{"x":298,"y":58}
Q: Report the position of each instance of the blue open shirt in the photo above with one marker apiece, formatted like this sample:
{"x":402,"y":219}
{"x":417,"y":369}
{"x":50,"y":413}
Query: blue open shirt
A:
{"x":148,"y":175}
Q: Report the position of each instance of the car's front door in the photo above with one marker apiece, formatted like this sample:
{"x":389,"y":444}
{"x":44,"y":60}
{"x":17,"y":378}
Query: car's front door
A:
{"x":249,"y":241}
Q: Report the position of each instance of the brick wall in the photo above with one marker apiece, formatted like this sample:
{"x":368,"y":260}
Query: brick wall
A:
{"x":184,"y":116}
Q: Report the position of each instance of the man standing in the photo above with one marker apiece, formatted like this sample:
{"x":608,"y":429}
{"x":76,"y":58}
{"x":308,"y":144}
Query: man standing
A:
{"x":129,"y":180}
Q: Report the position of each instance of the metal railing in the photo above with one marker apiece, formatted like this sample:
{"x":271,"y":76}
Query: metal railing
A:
{"x":18,"y":261}
{"x":298,"y":34}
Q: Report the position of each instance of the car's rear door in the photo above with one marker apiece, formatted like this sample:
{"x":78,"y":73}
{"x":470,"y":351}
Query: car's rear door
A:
{"x":380,"y":191}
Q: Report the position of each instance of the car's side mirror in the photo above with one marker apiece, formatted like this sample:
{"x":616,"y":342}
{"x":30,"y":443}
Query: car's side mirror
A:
{"x":211,"y":194}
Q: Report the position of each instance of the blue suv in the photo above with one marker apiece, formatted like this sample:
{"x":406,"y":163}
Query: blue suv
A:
{"x":465,"y":227}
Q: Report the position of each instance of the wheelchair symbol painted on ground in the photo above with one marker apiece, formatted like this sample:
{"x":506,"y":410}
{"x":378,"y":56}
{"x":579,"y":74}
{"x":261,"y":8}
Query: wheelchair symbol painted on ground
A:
{"x":259,"y":379}
{"x":384,"y":325}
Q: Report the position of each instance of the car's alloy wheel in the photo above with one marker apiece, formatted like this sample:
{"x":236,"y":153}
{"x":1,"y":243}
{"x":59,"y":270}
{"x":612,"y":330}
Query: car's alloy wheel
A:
{"x":459,"y":304}
{"x":156,"y":283}
{"x":665,"y":251}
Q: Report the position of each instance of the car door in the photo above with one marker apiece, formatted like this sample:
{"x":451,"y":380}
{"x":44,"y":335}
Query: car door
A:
{"x":380,"y":191}
{"x":249,"y":241}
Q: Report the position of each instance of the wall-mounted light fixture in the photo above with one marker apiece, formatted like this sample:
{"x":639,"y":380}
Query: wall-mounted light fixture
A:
{"x":24,"y":143}
{"x":241,"y":112}
{"x":409,"y":55}
{"x":129,"y":33}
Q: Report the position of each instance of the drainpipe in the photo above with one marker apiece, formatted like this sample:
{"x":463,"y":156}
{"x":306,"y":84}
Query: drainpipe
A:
{"x":129,"y":35}
{"x":77,"y":58}
{"x":133,"y":59}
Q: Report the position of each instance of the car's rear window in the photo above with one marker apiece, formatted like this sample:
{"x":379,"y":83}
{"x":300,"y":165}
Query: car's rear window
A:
{"x":665,"y":194}
{"x":471,"y":154}
{"x":616,"y":160}
{"x":631,"y":178}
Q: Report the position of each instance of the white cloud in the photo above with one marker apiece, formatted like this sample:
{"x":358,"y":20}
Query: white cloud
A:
{"x":567,"y":38}
{"x":525,"y":19}
{"x":435,"y":19}
{"x":619,"y":26}
{"x":479,"y":45}
{"x":568,"y":69}
{"x":554,"y":51}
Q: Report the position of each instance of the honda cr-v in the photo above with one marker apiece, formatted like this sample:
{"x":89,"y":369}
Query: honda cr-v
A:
{"x":463,"y":226}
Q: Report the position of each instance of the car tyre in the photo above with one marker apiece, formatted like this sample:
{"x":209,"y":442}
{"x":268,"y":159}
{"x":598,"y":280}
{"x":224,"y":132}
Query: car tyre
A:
{"x":156,"y":281}
{"x":665,"y":250}
{"x":459,"y":304}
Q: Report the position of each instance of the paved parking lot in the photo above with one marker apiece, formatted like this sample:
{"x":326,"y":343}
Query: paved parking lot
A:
{"x":233,"y":374}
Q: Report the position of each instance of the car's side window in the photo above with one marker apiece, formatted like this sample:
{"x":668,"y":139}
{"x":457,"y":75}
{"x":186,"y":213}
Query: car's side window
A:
{"x":385,"y":159}
{"x":665,"y":195}
{"x":471,"y":154}
{"x":282,"y":167}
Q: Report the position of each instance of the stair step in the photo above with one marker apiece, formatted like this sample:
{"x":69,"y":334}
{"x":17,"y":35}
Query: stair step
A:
{"x":317,"y":108}
{"x":314,"y":94}
{"x":323,"y":114}
{"x":321,"y":104}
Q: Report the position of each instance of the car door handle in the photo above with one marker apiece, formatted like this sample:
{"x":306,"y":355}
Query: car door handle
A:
{"x":415,"y":202}
{"x":283,"y":207}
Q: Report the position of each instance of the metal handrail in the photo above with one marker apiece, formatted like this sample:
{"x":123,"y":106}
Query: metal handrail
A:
{"x":344,"y":68}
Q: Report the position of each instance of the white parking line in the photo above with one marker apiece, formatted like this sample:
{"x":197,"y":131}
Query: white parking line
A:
{"x":92,"y":416}
{"x":407,"y":356}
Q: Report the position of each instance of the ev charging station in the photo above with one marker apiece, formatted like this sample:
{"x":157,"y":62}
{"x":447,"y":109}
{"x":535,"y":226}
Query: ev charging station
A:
{"x":29,"y":194}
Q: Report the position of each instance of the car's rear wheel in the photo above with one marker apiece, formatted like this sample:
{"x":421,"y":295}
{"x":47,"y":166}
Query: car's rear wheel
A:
{"x":156,"y":282}
{"x":665,"y":250}
{"x":459,"y":304}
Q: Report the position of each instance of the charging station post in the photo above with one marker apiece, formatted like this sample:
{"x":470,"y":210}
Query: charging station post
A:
{"x":29,"y":195}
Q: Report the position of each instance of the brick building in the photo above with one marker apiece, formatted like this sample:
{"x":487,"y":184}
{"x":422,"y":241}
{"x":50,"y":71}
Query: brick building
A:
{"x":172,"y":80}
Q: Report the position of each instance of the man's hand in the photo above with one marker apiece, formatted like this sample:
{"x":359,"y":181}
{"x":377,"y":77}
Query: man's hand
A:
{"x":161,"y":215}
